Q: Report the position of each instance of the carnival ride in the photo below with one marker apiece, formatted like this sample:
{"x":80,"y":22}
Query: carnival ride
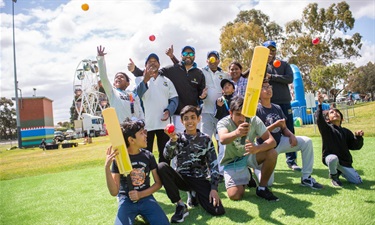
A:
{"x":87,"y":96}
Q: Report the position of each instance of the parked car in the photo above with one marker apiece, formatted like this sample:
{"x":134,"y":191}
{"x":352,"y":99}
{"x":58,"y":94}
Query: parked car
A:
{"x":59,"y":136}
{"x":70,"y":135}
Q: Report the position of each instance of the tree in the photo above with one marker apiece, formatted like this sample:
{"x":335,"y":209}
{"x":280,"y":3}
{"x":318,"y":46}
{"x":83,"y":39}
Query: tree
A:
{"x":238,"y":39}
{"x":331,"y":78}
{"x":7,"y":118}
{"x":363,"y":80}
{"x":324,"y":24}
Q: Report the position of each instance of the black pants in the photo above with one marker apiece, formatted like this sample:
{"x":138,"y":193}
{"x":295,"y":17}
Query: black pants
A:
{"x":173,"y":182}
{"x":287,"y":110}
{"x":162,"y":139}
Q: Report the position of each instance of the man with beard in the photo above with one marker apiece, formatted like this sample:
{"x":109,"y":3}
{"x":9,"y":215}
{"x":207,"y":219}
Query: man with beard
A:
{"x":188,"y":80}
{"x":160,"y":101}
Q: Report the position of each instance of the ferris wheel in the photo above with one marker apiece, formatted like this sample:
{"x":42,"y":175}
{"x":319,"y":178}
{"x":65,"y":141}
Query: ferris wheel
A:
{"x":86,"y":86}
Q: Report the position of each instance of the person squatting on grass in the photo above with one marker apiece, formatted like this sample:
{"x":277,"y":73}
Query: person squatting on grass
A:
{"x":139,"y":201}
{"x":337,"y":141}
{"x":238,"y":157}
{"x":273,"y":117}
{"x":196,"y":159}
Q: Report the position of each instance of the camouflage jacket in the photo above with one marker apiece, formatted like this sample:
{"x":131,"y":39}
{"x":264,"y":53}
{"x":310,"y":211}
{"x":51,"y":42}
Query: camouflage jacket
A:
{"x":196,"y":156}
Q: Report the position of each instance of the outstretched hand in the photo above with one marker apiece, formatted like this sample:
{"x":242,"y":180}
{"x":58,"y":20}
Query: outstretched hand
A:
{"x":100,"y":51}
{"x":169,"y":51}
{"x":359,"y":133}
{"x":131,"y":65}
{"x":320,"y":98}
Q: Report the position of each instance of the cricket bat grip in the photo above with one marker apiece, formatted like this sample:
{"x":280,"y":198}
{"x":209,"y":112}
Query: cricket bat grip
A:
{"x":243,"y":139}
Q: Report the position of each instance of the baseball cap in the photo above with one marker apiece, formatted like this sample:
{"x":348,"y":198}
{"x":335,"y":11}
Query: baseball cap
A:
{"x":224,"y":81}
{"x":152,"y":55}
{"x":184,"y":48}
{"x":269,"y":43}
{"x":213,"y":53}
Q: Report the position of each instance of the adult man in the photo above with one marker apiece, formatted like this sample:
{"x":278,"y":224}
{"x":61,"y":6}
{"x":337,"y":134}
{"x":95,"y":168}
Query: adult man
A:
{"x":188,"y":80}
{"x":274,"y":118}
{"x":126,"y":103}
{"x":280,"y":77}
{"x":238,"y":157}
{"x":213,"y":75}
{"x":160,"y":101}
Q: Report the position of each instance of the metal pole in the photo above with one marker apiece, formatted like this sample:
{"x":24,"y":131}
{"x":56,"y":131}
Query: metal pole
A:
{"x":16,"y":82}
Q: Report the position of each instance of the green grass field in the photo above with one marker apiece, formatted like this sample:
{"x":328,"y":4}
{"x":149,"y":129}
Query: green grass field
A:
{"x":67,"y":186}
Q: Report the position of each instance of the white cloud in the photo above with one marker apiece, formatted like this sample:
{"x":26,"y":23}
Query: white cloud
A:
{"x":51,"y":42}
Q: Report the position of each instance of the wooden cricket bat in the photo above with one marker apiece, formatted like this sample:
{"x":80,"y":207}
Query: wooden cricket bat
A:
{"x":254,"y":83}
{"x":117,"y":140}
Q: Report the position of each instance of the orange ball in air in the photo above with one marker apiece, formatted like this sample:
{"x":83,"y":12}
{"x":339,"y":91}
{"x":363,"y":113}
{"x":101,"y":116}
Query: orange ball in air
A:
{"x":85,"y":7}
{"x":276,"y":63}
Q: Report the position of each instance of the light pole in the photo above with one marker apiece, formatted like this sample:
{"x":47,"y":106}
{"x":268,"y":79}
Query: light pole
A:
{"x":34,"y":92}
{"x":16,"y":82}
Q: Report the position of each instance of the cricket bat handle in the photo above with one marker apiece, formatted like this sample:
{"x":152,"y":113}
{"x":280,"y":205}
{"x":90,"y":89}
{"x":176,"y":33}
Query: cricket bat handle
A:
{"x":243,"y":139}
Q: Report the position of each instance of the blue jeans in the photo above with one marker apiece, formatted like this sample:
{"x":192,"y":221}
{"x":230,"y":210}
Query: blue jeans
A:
{"x":148,"y":207}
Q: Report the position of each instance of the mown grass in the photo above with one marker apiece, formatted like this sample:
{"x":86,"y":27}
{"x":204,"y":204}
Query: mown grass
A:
{"x":67,"y":186}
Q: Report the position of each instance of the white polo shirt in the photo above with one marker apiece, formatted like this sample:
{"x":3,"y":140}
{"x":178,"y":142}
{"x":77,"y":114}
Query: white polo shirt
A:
{"x":155,"y":100}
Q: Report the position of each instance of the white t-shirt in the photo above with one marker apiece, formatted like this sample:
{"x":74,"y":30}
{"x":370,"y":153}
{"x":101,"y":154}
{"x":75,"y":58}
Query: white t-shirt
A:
{"x":155,"y":100}
{"x":119,"y":99}
{"x":214,"y":89}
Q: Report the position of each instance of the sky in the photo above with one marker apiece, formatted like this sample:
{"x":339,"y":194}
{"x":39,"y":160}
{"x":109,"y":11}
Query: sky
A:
{"x":52,"y":37}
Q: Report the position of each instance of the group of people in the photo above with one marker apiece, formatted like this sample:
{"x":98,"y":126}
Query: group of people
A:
{"x":201,"y":103}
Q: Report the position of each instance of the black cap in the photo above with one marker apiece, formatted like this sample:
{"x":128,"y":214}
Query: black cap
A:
{"x":184,"y":48}
{"x":224,"y":81}
{"x":213,"y":53}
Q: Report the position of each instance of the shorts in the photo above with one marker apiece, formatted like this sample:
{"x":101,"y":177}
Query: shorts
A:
{"x":239,"y":175}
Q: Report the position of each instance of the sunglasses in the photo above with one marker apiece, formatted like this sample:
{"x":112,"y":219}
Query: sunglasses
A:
{"x":191,"y":54}
{"x":267,"y":87}
{"x":272,"y":49}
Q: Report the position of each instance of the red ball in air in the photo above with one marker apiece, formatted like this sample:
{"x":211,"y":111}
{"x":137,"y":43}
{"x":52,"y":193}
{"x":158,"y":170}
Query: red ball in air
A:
{"x":276,"y":63}
{"x":152,"y":38}
{"x":315,"y":41}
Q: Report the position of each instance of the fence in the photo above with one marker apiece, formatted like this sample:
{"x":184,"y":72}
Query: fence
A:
{"x":307,"y":115}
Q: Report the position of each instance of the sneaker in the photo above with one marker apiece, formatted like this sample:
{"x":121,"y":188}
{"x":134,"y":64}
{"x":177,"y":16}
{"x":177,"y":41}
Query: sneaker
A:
{"x":267,"y":194}
{"x":310,"y":182}
{"x":335,"y":180}
{"x":192,"y":199}
{"x":252,"y":183}
{"x":293,"y":165}
{"x":181,"y":212}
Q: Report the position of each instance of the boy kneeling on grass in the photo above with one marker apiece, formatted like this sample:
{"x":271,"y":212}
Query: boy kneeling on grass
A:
{"x":196,"y":159}
{"x":139,"y":201}
{"x":337,"y":141}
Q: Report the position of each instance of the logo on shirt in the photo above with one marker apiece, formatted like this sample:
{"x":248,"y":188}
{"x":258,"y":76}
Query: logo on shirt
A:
{"x":194,"y":81}
{"x":220,"y":76}
{"x":138,"y":176}
{"x":165,"y":83}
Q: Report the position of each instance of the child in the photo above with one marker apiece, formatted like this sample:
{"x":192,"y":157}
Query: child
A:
{"x":196,"y":158}
{"x":139,"y":201}
{"x":223,"y":103}
{"x":337,"y":141}
{"x":222,"y":110}
{"x":238,"y":157}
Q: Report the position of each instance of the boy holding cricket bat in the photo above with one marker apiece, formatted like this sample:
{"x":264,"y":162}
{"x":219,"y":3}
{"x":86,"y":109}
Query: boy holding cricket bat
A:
{"x":139,"y":201}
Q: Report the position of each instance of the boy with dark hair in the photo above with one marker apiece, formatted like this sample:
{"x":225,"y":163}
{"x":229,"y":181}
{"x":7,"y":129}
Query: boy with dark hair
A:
{"x":337,"y":141}
{"x":196,"y":159}
{"x":273,"y":117}
{"x":238,"y":157}
{"x":139,"y":201}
